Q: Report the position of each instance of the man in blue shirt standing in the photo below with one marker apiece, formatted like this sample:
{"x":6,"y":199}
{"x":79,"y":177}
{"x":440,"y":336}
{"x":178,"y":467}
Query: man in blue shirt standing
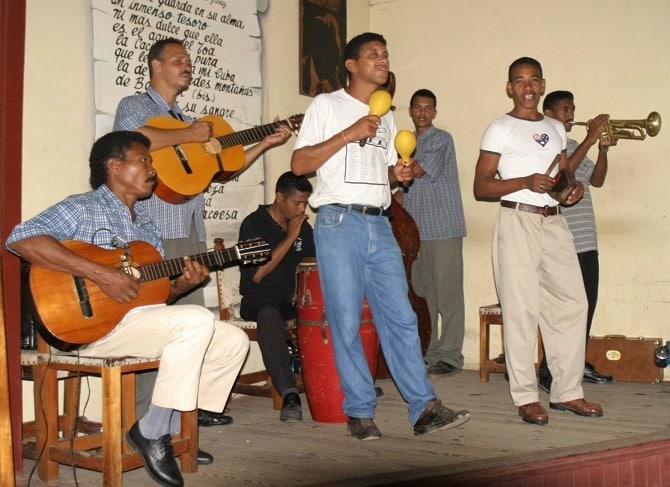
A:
{"x":434,"y":201}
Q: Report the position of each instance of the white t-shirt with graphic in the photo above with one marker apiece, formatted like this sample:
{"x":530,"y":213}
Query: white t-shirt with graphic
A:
{"x":355,"y":174}
{"x":525,"y":147}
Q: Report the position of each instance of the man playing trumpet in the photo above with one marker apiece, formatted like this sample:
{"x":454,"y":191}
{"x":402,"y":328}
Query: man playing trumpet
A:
{"x":560,"y":105}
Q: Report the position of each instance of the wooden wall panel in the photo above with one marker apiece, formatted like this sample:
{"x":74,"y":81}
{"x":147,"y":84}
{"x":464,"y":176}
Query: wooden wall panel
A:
{"x":12,"y":37}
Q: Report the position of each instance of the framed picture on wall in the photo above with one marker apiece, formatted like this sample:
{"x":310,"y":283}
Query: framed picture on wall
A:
{"x":323,"y":34}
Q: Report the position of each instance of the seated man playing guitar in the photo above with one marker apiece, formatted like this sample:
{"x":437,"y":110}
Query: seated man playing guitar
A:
{"x":200,"y":357}
{"x":186,"y":159}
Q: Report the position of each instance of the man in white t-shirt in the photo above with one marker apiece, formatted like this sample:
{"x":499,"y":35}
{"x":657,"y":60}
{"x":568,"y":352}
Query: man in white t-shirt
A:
{"x":357,"y":253}
{"x":535,"y":266}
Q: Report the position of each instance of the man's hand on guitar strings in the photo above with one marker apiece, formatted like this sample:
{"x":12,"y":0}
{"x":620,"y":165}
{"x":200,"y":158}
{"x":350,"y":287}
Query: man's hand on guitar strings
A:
{"x":201,"y":131}
{"x":194,"y":274}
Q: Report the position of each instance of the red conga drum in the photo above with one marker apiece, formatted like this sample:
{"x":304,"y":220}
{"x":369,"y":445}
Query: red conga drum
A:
{"x":317,"y":358}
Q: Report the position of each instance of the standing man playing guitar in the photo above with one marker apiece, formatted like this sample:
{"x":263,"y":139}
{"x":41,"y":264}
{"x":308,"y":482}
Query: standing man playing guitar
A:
{"x":200,"y":357}
{"x":182,"y":226}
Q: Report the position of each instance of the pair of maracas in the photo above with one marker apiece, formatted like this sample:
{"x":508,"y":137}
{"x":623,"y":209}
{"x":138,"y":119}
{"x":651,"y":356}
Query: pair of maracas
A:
{"x":405,"y":141}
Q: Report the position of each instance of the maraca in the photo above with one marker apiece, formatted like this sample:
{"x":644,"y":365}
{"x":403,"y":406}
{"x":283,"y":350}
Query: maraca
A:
{"x":405,"y":143}
{"x":380,"y":104}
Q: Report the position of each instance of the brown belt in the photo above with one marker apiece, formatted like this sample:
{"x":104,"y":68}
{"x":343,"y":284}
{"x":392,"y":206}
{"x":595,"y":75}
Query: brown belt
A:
{"x":540,"y":210}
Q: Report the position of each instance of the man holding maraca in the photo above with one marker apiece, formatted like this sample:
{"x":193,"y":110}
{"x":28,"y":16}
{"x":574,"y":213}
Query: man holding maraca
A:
{"x":357,"y":252}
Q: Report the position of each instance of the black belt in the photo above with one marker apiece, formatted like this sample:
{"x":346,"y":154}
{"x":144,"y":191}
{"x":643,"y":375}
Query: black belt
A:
{"x":540,"y":210}
{"x":366,"y":210}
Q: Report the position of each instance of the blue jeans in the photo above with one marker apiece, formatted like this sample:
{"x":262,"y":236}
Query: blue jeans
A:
{"x":358,"y":256}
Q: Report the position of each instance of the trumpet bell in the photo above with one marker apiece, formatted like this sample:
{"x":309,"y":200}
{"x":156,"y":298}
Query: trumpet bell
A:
{"x":653,"y":124}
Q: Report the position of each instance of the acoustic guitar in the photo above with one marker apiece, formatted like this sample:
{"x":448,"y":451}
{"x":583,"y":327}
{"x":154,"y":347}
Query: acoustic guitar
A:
{"x":186,"y":170}
{"x":72,"y":311}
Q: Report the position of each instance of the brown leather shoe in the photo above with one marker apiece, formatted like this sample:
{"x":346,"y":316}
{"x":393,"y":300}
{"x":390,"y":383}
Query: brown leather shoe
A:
{"x":579,"y":406}
{"x":534,"y":413}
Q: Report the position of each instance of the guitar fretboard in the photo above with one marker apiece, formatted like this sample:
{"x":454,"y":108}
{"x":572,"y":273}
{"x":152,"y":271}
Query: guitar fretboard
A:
{"x":214,"y":259}
{"x":249,"y":136}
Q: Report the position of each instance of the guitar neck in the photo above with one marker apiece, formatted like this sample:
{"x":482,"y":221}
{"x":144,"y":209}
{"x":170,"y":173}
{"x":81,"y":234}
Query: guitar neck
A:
{"x":249,"y":136}
{"x":214,"y":259}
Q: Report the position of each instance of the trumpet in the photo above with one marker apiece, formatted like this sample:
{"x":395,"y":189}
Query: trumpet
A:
{"x":630,"y":129}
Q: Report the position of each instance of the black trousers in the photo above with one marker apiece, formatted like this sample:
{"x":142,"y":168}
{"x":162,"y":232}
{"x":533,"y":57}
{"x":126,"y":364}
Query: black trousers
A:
{"x":271,"y":335}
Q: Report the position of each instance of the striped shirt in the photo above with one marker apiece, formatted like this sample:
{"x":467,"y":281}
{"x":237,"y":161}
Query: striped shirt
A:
{"x":174,"y":221}
{"x":95,"y":217}
{"x":434,"y":200}
{"x":580,"y":216}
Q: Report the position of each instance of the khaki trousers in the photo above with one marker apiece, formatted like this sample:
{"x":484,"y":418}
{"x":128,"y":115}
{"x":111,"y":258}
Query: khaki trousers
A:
{"x":539,"y":282}
{"x":200,"y":356}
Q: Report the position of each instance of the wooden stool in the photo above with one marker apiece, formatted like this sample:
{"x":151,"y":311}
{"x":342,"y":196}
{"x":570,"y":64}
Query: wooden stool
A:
{"x":492,"y":315}
{"x":72,"y":440}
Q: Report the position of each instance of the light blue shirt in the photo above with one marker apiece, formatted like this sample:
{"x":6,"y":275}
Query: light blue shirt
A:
{"x":95,"y":217}
{"x":434,"y":200}
{"x":173,"y":221}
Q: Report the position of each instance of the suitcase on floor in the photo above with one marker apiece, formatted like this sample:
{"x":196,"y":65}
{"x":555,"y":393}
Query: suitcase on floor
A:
{"x":626,"y":359}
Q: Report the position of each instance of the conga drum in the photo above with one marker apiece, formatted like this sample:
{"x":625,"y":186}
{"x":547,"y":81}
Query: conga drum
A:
{"x":319,"y":373}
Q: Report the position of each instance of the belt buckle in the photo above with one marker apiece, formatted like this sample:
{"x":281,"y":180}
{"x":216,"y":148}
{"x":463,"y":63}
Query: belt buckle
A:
{"x":545,"y":210}
{"x":371,"y":210}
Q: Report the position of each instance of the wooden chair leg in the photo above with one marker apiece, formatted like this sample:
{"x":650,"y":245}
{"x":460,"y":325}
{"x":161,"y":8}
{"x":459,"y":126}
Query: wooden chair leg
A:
{"x":189,"y":429}
{"x":484,"y":336}
{"x":72,"y":388}
{"x":46,"y":419}
{"x":276,"y":398}
{"x":128,"y":416}
{"x":112,"y":439}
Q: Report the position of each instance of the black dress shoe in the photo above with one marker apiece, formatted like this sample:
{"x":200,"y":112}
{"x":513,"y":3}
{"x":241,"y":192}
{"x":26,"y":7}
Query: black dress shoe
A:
{"x":208,"y":418}
{"x":204,"y":458}
{"x":291,"y":409}
{"x":157,"y":456}
{"x":594,"y":377}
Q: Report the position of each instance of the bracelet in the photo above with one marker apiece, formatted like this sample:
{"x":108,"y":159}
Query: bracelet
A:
{"x":344,"y":137}
{"x":603,"y":149}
